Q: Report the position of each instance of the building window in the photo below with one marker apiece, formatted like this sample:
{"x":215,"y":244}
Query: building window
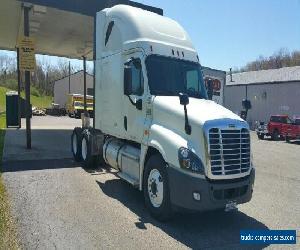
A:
{"x":90,"y":91}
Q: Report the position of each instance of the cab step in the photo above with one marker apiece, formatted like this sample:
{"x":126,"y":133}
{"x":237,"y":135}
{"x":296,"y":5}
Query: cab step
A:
{"x":129,"y":179}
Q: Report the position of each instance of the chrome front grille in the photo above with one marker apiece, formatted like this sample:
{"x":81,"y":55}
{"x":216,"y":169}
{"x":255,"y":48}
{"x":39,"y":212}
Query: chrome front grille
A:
{"x":229,"y":151}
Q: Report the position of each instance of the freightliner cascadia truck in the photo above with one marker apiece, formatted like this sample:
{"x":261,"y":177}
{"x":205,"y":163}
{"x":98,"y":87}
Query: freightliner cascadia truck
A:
{"x":154,"y":123}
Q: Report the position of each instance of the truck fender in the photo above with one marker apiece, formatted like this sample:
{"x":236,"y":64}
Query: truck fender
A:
{"x":166,"y":142}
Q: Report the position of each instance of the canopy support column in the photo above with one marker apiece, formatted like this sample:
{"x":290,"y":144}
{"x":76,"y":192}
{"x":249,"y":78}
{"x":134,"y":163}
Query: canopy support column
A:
{"x":27,"y":81}
{"x":19,"y":87}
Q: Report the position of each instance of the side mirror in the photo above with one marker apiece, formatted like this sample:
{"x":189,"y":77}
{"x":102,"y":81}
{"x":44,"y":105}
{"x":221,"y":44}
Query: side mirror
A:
{"x":246,"y":104}
{"x":210,"y":89}
{"x":127,"y":80}
{"x":184,"y":99}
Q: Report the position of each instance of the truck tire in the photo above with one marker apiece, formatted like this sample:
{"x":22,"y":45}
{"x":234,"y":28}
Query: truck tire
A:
{"x":261,"y":136}
{"x":86,"y":151}
{"x":156,"y":189}
{"x":89,"y":160}
{"x":77,"y":115}
{"x":287,"y":139}
{"x":275,"y":135}
{"x":76,"y":144}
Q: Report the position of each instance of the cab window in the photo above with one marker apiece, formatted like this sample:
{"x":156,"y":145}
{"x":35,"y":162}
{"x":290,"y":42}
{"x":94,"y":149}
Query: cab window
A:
{"x":137,"y":77}
{"x":192,"y":82}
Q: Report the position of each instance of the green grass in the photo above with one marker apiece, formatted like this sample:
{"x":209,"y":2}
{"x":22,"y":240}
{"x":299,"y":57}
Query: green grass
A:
{"x":8,"y":238}
{"x":2,"y":133}
{"x":2,"y":98}
{"x":37,"y":101}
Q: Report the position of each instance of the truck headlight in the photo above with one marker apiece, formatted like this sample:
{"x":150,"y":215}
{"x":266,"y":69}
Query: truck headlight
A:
{"x":190,"y":161}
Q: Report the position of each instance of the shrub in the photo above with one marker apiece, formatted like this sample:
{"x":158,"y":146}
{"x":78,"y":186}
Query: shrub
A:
{"x":35,"y":92}
{"x":10,"y":84}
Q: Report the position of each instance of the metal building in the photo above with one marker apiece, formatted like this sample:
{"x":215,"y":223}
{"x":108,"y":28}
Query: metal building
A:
{"x":219,"y":78}
{"x":274,"y":91}
{"x":71,"y":85}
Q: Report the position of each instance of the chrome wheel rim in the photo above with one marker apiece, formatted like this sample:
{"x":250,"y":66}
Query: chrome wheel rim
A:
{"x":84,"y":148}
{"x":74,"y":144}
{"x":155,"y":188}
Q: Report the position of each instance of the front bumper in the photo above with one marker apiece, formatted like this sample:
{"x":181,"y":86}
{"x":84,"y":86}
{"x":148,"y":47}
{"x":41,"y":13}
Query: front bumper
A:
{"x":214,"y":194}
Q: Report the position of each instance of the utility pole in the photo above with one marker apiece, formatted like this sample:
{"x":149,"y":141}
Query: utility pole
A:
{"x":69,"y":77}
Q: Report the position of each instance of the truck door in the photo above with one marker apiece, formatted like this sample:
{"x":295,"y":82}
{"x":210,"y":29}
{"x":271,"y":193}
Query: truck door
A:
{"x":134,"y":101}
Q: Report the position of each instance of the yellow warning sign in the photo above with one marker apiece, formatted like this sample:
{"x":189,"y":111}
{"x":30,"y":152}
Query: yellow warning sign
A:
{"x":27,"y":53}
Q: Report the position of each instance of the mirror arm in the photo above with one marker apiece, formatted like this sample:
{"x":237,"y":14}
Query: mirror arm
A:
{"x":139,"y":107}
{"x":132,"y":102}
{"x":187,"y":126}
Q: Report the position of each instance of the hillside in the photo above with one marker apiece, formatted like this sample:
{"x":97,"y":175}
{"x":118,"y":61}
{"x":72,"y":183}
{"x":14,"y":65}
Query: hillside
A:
{"x":37,"y":101}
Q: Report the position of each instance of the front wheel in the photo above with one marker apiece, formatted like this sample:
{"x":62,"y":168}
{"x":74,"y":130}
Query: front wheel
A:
{"x":156,"y":188}
{"x":287,"y":139}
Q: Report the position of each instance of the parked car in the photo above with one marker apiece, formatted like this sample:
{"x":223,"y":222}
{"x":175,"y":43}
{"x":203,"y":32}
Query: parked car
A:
{"x":38,"y":112}
{"x":261,"y":130}
{"x":293,"y":130}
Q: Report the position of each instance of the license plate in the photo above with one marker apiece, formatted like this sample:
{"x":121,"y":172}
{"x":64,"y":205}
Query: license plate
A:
{"x":231,"y":205}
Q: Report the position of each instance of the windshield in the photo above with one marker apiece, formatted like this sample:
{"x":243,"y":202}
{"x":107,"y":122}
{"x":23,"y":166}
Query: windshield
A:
{"x":80,"y":104}
{"x":169,"y":77}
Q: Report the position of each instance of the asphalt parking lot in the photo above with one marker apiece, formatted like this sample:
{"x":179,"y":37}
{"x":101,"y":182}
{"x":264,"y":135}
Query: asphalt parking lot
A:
{"x":58,"y":205}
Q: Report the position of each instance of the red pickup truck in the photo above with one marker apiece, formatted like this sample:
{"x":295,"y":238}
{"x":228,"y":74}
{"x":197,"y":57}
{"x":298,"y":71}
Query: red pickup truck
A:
{"x":293,"y":130}
{"x":276,"y":127}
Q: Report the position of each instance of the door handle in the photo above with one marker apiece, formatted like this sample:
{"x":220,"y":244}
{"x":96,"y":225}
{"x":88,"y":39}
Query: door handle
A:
{"x":125,"y":122}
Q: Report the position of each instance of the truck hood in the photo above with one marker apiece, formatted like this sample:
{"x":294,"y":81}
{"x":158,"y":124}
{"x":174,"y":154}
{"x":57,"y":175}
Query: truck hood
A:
{"x":199,"y":110}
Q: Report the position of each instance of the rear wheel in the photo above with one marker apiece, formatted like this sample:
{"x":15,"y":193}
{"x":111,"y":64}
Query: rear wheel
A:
{"x":156,"y":188}
{"x":86,"y":150}
{"x":88,"y":159}
{"x":76,"y":144}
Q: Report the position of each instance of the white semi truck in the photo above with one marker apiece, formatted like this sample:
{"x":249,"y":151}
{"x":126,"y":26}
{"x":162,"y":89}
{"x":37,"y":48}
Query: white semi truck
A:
{"x":154,"y":123}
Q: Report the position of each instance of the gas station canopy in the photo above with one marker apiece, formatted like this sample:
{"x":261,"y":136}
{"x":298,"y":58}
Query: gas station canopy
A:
{"x":59,"y":27}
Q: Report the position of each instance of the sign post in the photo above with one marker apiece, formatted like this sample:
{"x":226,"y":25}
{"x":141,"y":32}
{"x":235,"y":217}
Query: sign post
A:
{"x":27,"y":64}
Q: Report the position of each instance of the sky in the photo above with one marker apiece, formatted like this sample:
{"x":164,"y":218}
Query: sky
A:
{"x":231,"y":33}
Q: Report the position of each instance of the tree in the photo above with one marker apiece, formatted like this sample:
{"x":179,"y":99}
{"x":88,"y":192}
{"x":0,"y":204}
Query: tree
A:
{"x":281,"y":58}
